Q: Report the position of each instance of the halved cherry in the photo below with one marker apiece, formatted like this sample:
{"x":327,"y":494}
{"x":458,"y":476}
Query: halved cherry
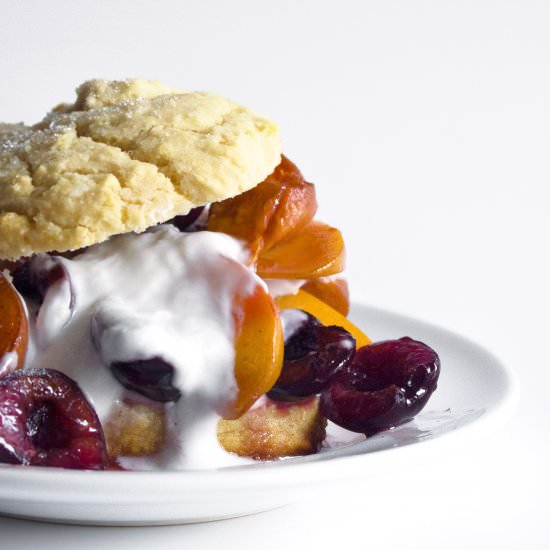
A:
{"x":385,"y":385}
{"x":327,"y":315}
{"x":14,"y":327}
{"x":279,"y":206}
{"x":314,"y":354}
{"x":315,"y":251}
{"x":259,"y":348}
{"x":45,"y":420}
{"x":333,"y":292}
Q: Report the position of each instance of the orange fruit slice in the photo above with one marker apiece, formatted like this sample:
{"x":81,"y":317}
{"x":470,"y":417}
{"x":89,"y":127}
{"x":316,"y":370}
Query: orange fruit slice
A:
{"x":315,"y":251}
{"x":279,"y":206}
{"x":259,"y":348}
{"x":335,"y":293}
{"x":14,"y":328}
{"x":326,"y":314}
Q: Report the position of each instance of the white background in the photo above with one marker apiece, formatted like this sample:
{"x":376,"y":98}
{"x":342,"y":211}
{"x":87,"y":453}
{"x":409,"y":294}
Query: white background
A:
{"x":426,"y":127}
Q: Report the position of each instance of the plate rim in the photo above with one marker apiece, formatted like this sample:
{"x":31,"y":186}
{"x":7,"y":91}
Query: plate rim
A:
{"x":261,"y":475}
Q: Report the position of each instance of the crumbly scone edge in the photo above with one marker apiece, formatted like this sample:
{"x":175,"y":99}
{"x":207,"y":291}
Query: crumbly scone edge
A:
{"x":84,"y":173}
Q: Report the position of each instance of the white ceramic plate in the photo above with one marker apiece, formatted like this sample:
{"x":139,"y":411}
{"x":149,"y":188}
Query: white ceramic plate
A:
{"x":474,"y":389}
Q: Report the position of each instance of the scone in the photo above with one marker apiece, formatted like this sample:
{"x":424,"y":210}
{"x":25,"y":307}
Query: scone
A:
{"x":116,"y":162}
{"x":170,"y":301}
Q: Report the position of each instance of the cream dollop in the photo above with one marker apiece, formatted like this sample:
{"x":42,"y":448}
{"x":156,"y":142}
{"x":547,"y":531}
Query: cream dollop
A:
{"x":158,"y":294}
{"x":8,"y":362}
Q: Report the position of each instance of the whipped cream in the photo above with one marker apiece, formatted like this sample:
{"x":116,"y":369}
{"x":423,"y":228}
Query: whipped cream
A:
{"x":8,"y":362}
{"x":292,"y":321}
{"x":158,"y":294}
{"x":282,"y":287}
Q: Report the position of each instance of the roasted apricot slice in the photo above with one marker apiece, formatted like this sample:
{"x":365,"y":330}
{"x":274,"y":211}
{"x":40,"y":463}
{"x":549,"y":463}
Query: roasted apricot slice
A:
{"x":14,"y":328}
{"x":319,"y":309}
{"x":315,"y":251}
{"x":333,"y":292}
{"x":282,"y":204}
{"x":259,"y":348}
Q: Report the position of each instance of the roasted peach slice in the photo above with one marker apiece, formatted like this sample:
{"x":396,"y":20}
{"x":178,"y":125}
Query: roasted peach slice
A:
{"x":14,"y":328}
{"x":259,"y":348}
{"x":282,"y":204}
{"x":334,"y":292}
{"x":322,"y":311}
{"x":315,"y":251}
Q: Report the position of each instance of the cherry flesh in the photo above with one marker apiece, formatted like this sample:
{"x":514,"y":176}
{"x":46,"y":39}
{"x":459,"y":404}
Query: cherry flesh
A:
{"x":313,"y":354}
{"x":45,"y":420}
{"x":386,"y":384}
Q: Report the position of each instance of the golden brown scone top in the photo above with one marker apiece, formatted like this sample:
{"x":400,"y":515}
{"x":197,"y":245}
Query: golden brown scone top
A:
{"x":125,"y":156}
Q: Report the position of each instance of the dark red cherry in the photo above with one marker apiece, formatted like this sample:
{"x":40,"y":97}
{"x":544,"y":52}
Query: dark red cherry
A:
{"x":43,"y":278}
{"x":386,"y":384}
{"x":313,"y":354}
{"x":185,"y":221}
{"x":23,"y":281}
{"x":45,"y":420}
{"x":152,"y":378}
{"x":32,"y":277}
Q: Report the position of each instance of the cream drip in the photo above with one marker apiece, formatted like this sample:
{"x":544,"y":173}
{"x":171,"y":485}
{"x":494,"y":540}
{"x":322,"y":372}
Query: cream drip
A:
{"x":161,"y":293}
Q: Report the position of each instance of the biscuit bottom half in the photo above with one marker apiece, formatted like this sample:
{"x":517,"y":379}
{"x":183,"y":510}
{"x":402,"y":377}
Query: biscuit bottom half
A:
{"x":269,"y":430}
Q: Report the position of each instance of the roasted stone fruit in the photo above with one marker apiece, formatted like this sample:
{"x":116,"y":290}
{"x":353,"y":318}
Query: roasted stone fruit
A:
{"x":317,"y":250}
{"x":44,"y":278}
{"x":333,"y":292}
{"x":313,"y":355}
{"x":185,"y":221}
{"x":275,"y":429}
{"x":279,"y":206}
{"x":259,"y":348}
{"x":150,"y":377}
{"x":275,"y":219}
{"x":32,"y":277}
{"x":45,"y":420}
{"x":135,"y":429}
{"x":385,"y":385}
{"x":323,"y":312}
{"x":14,"y":328}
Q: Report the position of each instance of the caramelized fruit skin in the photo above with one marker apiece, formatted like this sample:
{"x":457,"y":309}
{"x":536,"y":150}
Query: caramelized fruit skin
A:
{"x":317,"y":250}
{"x":319,"y":309}
{"x":276,"y":208}
{"x":313,"y":355}
{"x":259,"y":349}
{"x":45,"y":420}
{"x":275,"y":219}
{"x":334,"y":293}
{"x":14,"y":328}
{"x":385,"y":385}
